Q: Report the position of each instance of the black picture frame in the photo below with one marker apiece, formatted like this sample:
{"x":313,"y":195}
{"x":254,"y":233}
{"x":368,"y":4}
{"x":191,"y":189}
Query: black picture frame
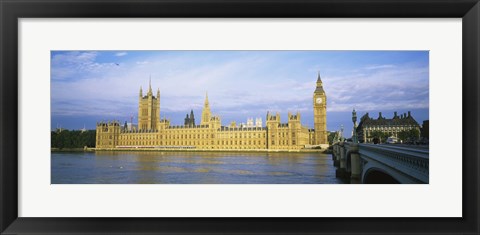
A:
{"x":11,"y":11}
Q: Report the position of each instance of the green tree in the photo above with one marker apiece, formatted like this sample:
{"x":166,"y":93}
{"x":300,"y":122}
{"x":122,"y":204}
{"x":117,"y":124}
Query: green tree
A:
{"x":378,"y":136}
{"x":409,"y":135}
{"x":331,"y":136}
{"x":72,"y":139}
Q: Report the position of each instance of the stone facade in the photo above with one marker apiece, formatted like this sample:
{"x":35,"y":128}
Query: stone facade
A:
{"x":389,"y":126}
{"x":148,"y":110}
{"x":153,"y":132}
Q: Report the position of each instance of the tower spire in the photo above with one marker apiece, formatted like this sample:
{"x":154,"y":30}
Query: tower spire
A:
{"x":149,"y":92}
{"x":206,"y":114}
{"x":319,"y":87}
{"x":150,"y":84}
{"x":206,"y":99}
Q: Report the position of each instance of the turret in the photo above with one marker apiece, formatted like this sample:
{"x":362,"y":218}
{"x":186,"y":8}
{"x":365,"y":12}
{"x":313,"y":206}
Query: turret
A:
{"x":215,"y":122}
{"x":258,"y":122}
{"x":187,"y":120}
{"x":272,"y":124}
{"x":250,"y":122}
{"x":149,"y":109}
{"x":150,"y":87}
{"x":206,"y":114}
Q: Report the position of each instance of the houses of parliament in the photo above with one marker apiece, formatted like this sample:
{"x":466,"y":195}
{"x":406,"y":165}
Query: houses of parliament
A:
{"x":152,"y":132}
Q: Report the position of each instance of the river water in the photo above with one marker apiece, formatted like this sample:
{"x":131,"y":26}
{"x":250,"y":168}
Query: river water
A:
{"x":192,"y":168}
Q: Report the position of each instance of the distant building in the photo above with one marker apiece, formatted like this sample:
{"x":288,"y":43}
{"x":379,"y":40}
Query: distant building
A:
{"x":250,"y":122}
{"x":59,"y":128}
{"x":258,"y":122}
{"x":391,"y":126}
{"x":425,"y":129}
{"x":190,"y":121}
{"x":153,"y":132}
{"x":130,"y":126}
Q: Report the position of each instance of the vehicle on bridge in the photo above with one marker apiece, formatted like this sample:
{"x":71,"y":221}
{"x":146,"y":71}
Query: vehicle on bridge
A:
{"x":393,"y":140}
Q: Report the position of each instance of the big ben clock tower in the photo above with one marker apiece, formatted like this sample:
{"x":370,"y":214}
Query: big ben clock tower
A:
{"x":320,"y":113}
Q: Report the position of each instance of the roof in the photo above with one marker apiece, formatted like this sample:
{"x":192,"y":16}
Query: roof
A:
{"x":319,"y":90}
{"x":382,"y":121}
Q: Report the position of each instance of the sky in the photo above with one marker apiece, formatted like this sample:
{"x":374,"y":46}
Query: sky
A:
{"x":91,"y":86}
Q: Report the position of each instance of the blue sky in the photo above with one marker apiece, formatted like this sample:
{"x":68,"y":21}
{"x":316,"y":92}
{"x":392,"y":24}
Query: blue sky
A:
{"x":90,"y":86}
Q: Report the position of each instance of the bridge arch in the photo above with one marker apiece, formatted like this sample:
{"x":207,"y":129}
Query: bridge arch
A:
{"x":376,"y":175}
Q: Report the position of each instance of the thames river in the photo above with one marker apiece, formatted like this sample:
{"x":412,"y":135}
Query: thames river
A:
{"x":192,"y":168}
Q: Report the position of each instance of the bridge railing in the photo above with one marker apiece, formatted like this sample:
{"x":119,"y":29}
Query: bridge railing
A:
{"x":413,"y":162}
{"x":409,"y":163}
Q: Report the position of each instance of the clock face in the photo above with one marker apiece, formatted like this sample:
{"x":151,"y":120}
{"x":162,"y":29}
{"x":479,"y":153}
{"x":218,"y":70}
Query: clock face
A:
{"x":318,"y":100}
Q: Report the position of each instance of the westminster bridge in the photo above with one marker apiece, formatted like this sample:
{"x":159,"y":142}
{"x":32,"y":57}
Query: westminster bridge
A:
{"x":381,"y":163}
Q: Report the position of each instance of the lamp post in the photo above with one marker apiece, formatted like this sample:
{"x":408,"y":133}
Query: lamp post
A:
{"x":341,"y":133}
{"x":354,"y":120}
{"x":356,"y":162}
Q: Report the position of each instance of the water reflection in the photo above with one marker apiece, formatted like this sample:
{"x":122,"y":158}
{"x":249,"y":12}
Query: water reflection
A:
{"x":192,"y":168}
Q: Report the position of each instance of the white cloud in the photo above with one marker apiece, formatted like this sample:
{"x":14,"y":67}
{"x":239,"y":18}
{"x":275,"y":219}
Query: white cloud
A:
{"x":383,"y":66}
{"x":396,"y":88}
{"x":121,"y":54}
{"x":75,"y":65}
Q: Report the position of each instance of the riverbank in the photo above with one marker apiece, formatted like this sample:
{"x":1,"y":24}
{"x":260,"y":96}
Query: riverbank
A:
{"x":326,"y":151}
{"x":72,"y":149}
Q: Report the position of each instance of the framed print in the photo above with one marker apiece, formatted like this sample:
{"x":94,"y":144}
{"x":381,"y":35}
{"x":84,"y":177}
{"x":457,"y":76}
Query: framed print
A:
{"x":229,"y":133}
{"x":239,"y":117}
